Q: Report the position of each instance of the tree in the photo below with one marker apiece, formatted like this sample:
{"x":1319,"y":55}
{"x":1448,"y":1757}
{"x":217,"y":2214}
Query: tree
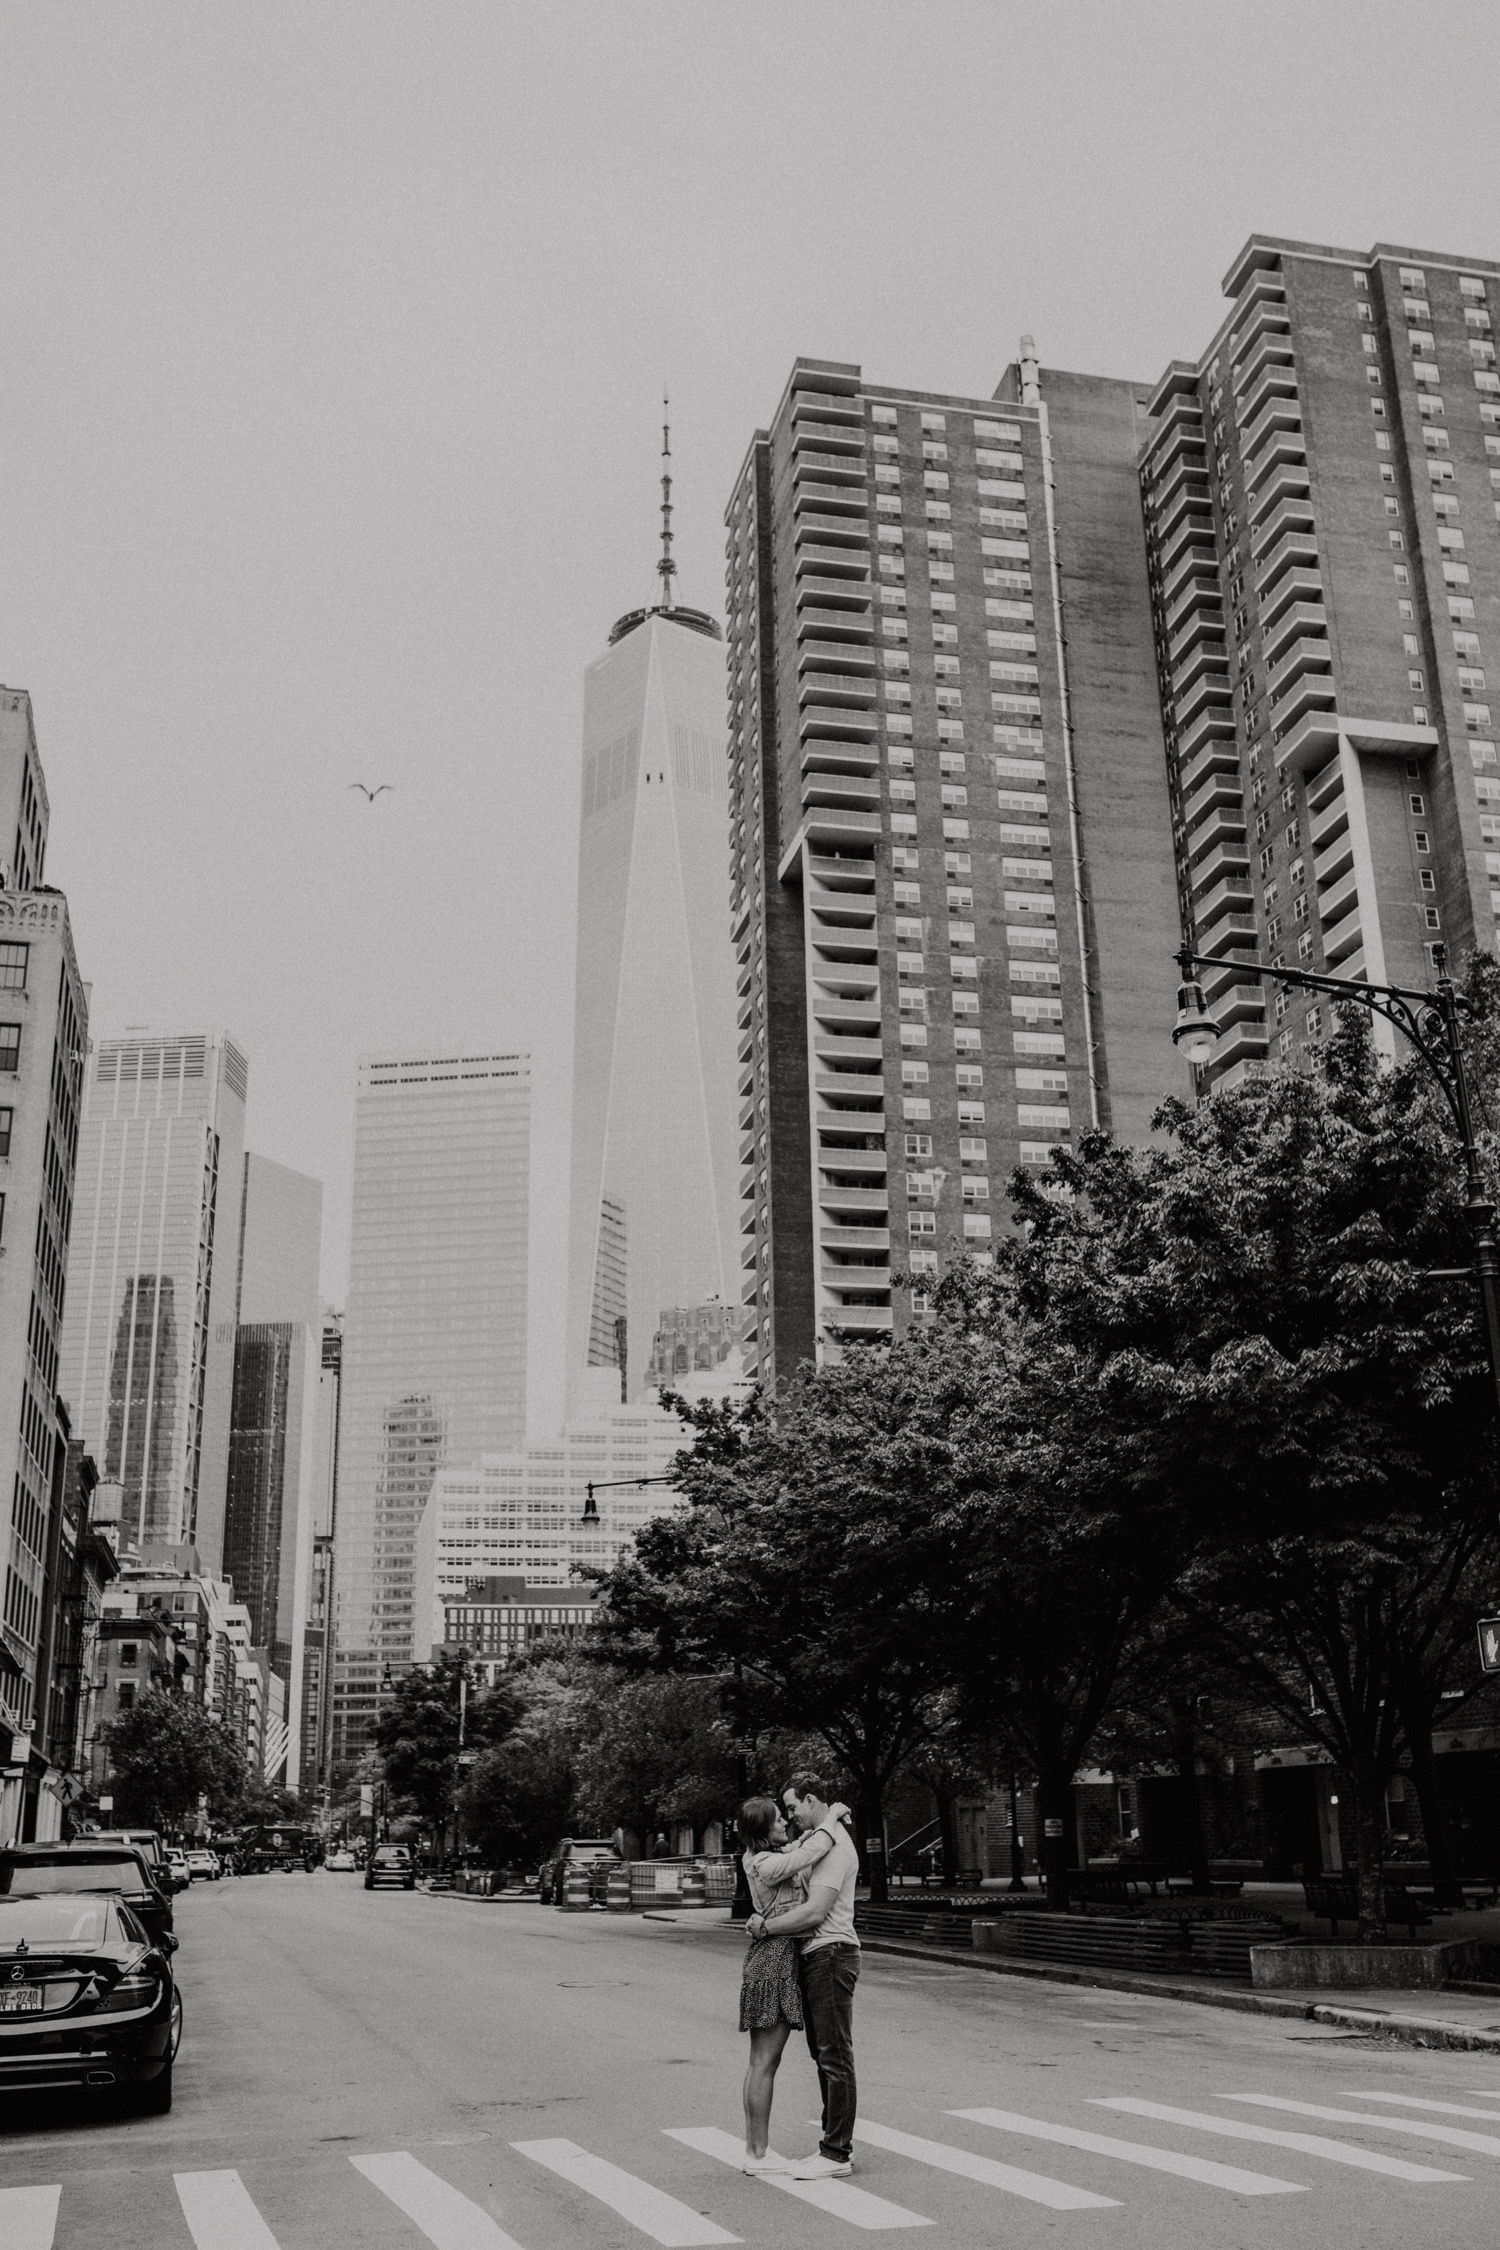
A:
{"x":653,"y":1750}
{"x":518,"y":1796}
{"x":814,"y":1569}
{"x":166,"y":1752}
{"x":1252,"y":1318}
{"x":417,"y":1736}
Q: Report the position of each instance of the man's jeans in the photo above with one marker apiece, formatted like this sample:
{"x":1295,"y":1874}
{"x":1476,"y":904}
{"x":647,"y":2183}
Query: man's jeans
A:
{"x":829,"y":1975}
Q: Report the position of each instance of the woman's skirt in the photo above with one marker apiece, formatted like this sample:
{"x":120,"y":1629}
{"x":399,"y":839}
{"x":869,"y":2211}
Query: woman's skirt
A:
{"x":769,"y":1991}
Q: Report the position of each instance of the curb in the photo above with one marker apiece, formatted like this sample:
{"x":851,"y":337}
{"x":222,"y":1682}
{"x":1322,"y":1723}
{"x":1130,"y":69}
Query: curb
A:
{"x":1409,"y":2031}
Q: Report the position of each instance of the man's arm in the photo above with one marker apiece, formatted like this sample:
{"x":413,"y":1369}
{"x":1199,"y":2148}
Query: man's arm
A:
{"x":791,"y":1921}
{"x":795,"y":1859}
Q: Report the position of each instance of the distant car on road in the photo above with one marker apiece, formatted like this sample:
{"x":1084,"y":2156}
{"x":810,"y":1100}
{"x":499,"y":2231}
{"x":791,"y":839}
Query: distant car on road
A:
{"x":177,"y":1867}
{"x":204,"y":1865}
{"x":574,"y":1852}
{"x":43,"y":1870}
{"x":391,"y":1863}
{"x":341,"y":1863}
{"x":87,"y":1998}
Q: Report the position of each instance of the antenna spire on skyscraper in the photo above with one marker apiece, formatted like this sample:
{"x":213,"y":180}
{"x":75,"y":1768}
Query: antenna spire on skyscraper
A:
{"x":666,"y":568}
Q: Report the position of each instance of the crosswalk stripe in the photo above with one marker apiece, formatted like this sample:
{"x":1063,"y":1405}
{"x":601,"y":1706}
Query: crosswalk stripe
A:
{"x":219,"y":2212}
{"x":1414,"y":2101}
{"x":837,"y":2197}
{"x":1208,"y":2174}
{"x":446,"y":2218}
{"x":1454,"y":2136}
{"x":1310,"y":2144}
{"x":1035,"y":2187}
{"x":660,"y":2216}
{"x":28,"y":2217}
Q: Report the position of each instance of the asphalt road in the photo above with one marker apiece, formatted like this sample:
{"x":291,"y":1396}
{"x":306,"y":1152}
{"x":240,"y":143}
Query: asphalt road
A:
{"x":372,"y":2071}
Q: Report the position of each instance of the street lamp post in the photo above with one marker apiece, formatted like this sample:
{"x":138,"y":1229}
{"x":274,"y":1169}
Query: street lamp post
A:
{"x":1430,"y":1022}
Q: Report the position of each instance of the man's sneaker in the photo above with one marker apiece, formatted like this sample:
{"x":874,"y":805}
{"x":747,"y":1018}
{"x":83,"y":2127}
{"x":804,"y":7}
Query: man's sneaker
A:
{"x":822,"y":2168}
{"x":767,"y":2163}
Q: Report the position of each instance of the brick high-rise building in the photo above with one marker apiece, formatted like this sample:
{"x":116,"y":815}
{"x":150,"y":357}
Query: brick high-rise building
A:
{"x":1322,"y":490}
{"x":953,"y":891}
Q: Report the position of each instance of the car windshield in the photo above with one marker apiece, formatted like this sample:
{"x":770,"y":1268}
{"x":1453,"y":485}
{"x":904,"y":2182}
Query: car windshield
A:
{"x":39,"y":1878}
{"x":55,"y":1921}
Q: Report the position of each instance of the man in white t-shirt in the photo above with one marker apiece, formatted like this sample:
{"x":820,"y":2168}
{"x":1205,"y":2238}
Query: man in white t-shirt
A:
{"x":828,"y":1969}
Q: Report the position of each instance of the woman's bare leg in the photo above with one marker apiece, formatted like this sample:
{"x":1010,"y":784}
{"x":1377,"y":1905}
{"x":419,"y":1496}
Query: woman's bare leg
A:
{"x":760,"y":2084}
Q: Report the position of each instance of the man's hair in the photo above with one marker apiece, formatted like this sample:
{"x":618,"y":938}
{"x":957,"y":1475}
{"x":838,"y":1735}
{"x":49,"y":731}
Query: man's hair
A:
{"x":804,"y":1784}
{"x":758,"y":1816}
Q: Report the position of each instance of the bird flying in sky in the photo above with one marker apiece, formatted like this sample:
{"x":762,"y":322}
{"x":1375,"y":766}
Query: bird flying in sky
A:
{"x":372,"y":794}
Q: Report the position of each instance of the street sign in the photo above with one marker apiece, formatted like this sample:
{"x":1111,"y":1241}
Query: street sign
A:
{"x":1489,"y":1643}
{"x":106,"y":1804}
{"x":467,"y":1757}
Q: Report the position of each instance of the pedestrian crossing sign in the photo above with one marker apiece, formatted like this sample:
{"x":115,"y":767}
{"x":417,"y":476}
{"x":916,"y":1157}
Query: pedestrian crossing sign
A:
{"x":1489,"y":1643}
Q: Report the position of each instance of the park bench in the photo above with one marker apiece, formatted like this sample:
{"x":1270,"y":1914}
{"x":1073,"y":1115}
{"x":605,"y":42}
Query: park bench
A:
{"x":1116,"y":1883}
{"x":1335,"y":1899}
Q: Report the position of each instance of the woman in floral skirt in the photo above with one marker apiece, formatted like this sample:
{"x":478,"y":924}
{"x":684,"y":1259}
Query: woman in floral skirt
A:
{"x":770,"y":1995}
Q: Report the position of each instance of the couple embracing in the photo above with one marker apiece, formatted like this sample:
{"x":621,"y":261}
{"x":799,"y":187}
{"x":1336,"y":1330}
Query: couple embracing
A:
{"x":801,"y":1967}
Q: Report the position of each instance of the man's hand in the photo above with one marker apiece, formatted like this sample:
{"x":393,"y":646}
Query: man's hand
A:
{"x":811,"y":1915}
{"x":756,"y":1925}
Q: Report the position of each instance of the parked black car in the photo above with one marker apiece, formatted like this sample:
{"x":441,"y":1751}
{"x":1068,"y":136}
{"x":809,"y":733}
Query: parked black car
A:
{"x":391,"y":1863}
{"x":35,"y":1870}
{"x":87,"y":1999}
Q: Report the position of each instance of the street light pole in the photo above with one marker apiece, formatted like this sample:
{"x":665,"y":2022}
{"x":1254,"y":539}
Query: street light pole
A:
{"x":1430,"y":1023}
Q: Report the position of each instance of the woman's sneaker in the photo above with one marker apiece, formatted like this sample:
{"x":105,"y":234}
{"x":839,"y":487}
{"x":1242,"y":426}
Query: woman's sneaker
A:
{"x":766,"y":2163}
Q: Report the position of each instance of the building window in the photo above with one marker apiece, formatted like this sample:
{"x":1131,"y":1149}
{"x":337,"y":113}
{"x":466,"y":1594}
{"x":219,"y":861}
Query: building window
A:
{"x":13,"y":967}
{"x":6,"y":1118}
{"x":10,"y":1047}
{"x":1430,"y":916}
{"x":1426,"y":879}
{"x":1416,"y":804}
{"x":125,"y":1695}
{"x":129,"y":1652}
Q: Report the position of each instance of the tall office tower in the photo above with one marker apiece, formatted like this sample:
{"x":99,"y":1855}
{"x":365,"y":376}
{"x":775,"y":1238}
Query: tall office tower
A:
{"x":434,"y":1339}
{"x":653,"y":1183}
{"x":1321,"y":493}
{"x":273,"y":1440}
{"x":42,"y":1049}
{"x":951,"y":863}
{"x":317,"y":1666}
{"x":148,"y":1342}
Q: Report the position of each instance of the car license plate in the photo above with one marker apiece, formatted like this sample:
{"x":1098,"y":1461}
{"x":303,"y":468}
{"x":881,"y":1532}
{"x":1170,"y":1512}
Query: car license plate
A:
{"x":20,"y":2000}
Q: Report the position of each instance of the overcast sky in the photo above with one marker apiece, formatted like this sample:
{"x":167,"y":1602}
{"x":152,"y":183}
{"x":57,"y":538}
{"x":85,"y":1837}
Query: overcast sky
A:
{"x":330,"y":357}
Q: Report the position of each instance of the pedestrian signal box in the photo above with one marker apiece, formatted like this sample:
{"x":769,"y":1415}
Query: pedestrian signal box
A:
{"x":1489,"y":1643}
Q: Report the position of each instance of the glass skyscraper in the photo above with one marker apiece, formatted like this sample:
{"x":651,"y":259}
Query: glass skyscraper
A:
{"x":434,"y":1339}
{"x":652,"y":1218}
{"x":147,"y":1361}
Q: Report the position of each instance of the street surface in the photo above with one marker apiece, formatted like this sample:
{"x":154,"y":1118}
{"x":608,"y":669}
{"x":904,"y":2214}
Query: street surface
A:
{"x":372,"y":2071}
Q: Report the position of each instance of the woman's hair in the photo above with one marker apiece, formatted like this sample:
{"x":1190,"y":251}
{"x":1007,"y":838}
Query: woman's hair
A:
{"x":757,"y":1819}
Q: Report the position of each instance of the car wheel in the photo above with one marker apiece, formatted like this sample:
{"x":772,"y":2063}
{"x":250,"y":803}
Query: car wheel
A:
{"x":155,"y":2099}
{"x":176,"y":2022}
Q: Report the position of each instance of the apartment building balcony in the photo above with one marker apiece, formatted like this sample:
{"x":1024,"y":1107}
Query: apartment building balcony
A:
{"x":745,"y":1047}
{"x":1293,"y":514}
{"x":843,"y":952}
{"x":1333,"y":863}
{"x":1196,"y":572}
{"x":850,"y":875}
{"x":1275,"y":377}
{"x":1282,"y":587}
{"x":850,"y":1275}
{"x":842,"y":792}
{"x":1307,"y":743}
{"x":838,"y":531}
{"x":827,"y":721}
{"x":1299,"y":625}
{"x":1229,"y":933}
{"x":853,"y":910}
{"x":1303,"y":696}
{"x":843,"y":1012}
{"x":1343,"y":939}
{"x":1205,"y":654}
{"x":1231,"y":998}
{"x":1325,"y":787}
{"x":1223,"y":829}
{"x":1267,"y":317}
{"x":834,"y":754}
{"x":837,"y":1046}
{"x":822,"y":434}
{"x":832,"y":499}
{"x":842,"y":657}
{"x":1208,"y":688}
{"x":854,"y":1238}
{"x":853,"y":1200}
{"x":1330,"y":824}
{"x":1233,"y":895}
{"x":859,"y":1320}
{"x":1218,"y":760}
{"x":842,"y":468}
{"x":1278,"y":414}
{"x":827,"y":562}
{"x":1215,"y":722}
{"x":1286,"y":478}
{"x":1240,"y":1042}
{"x":1220,"y":790}
{"x":842,"y":625}
{"x":837,"y":688}
{"x":845,"y":407}
{"x":833,"y":973}
{"x":839,"y":1127}
{"x":1336,"y":895}
{"x":1307,"y":653}
{"x":1228,"y":859}
{"x":1184,"y":463}
{"x":1204,"y":622}
{"x":1190,"y":496}
{"x":852,"y":1086}
{"x":849,"y":594}
{"x":1180,"y":431}
{"x":1193,"y":527}
{"x":852,"y":1167}
{"x":1198,"y":599}
{"x":833,"y":826}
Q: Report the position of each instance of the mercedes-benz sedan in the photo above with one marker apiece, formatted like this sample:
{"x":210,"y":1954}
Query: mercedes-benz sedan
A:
{"x":87,"y":2001}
